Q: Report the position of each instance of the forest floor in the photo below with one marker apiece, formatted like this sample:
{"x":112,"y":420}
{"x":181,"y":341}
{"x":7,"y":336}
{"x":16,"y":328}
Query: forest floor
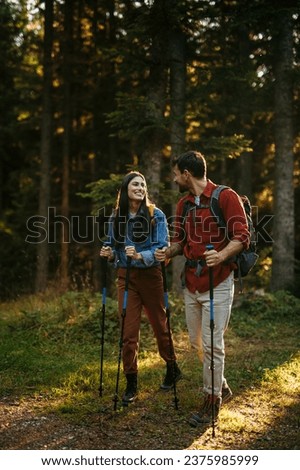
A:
{"x":152,"y":422}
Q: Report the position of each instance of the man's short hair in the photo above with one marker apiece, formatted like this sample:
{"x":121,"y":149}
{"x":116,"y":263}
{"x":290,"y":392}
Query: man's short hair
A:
{"x":192,"y":161}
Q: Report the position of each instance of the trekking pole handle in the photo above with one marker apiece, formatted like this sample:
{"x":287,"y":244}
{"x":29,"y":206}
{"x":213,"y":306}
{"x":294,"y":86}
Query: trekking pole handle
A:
{"x":210,"y":247}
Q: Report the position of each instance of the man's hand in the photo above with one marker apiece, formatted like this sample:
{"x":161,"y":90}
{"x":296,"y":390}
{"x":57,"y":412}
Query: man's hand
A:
{"x":160,"y":254}
{"x":213,"y":258}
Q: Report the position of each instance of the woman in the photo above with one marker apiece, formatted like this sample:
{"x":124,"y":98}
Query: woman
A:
{"x":136,"y":229}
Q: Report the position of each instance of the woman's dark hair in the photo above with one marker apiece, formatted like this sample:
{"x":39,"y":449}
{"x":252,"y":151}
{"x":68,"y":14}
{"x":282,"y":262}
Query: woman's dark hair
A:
{"x":121,"y":211}
{"x":192,"y":161}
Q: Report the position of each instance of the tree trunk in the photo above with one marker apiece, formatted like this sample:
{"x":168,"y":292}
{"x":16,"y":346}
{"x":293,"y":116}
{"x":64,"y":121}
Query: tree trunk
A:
{"x":67,"y":120}
{"x":244,"y":180}
{"x":104,"y":163}
{"x":178,"y":129}
{"x":46,"y":134}
{"x":151,"y":155}
{"x":284,"y":224}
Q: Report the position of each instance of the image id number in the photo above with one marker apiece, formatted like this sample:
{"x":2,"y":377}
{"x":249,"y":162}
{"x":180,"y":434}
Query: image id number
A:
{"x":220,"y":460}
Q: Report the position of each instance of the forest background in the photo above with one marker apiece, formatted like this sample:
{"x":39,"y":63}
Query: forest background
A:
{"x":91,"y":89}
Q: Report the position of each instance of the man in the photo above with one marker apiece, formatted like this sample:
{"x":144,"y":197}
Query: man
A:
{"x":193,"y":232}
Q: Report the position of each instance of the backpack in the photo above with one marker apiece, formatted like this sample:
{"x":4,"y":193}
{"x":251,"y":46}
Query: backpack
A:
{"x":246,"y":259}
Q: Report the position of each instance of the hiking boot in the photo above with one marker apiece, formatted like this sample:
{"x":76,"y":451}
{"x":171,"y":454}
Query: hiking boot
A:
{"x":226,"y":394}
{"x":131,"y":390}
{"x":204,"y":416}
{"x":173,"y":373}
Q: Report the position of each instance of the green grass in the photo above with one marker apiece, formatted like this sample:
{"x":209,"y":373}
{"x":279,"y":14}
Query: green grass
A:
{"x":50,"y":346}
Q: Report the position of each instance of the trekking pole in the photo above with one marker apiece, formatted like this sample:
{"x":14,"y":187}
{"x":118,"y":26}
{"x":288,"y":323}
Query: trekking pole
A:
{"x":104,"y":285}
{"x":166,"y":300}
{"x":125,"y":298}
{"x":212,"y":325}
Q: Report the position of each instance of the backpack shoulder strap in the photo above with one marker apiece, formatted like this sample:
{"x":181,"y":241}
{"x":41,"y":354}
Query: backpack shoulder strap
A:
{"x":187,"y":205}
{"x":151,"y":213}
{"x":215,"y":206}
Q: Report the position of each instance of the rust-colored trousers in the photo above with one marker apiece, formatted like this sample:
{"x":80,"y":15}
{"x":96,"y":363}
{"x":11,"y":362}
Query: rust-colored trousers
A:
{"x":145,"y":289}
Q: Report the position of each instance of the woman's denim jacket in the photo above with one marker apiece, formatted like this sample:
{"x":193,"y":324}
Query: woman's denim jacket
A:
{"x":157,"y":238}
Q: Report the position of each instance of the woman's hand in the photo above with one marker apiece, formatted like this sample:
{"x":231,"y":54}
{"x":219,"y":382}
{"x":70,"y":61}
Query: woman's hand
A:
{"x":107,"y":252}
{"x":132,"y":253}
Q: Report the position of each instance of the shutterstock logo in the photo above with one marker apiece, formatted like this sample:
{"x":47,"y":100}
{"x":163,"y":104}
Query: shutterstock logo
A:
{"x":83,"y":230}
{"x":77,"y":229}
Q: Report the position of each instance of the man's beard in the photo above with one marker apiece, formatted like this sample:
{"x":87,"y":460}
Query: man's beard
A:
{"x":182,"y":188}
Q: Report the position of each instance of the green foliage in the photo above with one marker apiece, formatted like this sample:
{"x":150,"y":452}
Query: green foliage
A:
{"x":73,"y":316}
{"x":220,"y":148}
{"x":276,"y":307}
{"x":51,"y":336}
{"x":35,"y":331}
{"x":50,"y":347}
{"x":135,"y":116}
{"x":17,"y":264}
{"x":104,"y":191}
